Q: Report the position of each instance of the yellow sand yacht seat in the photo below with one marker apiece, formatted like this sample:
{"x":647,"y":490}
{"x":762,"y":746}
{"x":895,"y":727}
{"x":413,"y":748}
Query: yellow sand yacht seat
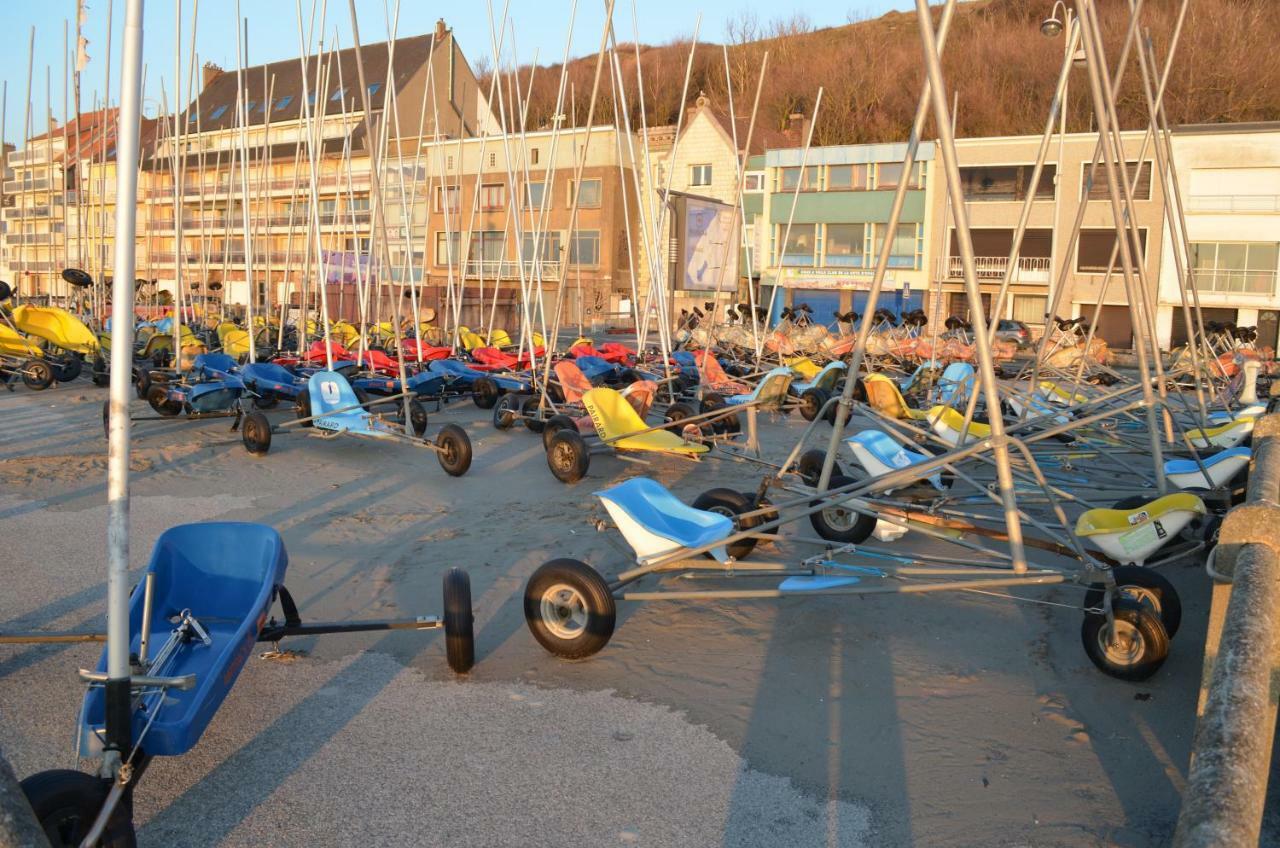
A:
{"x":1133,"y":535}
{"x":614,"y":418}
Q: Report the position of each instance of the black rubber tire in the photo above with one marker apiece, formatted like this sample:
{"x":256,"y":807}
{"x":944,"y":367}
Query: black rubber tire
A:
{"x":1144,"y":586}
{"x":37,"y":374}
{"x":158,"y":397}
{"x":459,"y":622}
{"x":68,"y":370}
{"x":597,"y":608}
{"x":811,"y":402}
{"x":302,"y":406}
{"x":555,"y":393}
{"x":810,"y":466}
{"x":529,"y":409}
{"x":505,"y":412}
{"x":142,"y":383}
{"x":255,"y":433}
{"x":362,"y":397}
{"x":67,"y":802}
{"x":679,"y":411}
{"x":269,"y":400}
{"x":485,"y":392}
{"x":455,"y":452}
{"x":1150,"y":652}
{"x":568,"y":456}
{"x":711,"y":402}
{"x":417,"y":417}
{"x":555,"y":424}
{"x":731,"y":503}
{"x":822,"y":521}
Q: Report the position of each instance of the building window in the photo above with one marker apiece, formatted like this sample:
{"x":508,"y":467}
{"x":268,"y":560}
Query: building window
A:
{"x":374,"y":88}
{"x":493,"y":160}
{"x":847,"y":178}
{"x":905,"y":249}
{"x":958,"y":306}
{"x":533,"y":193}
{"x":359,"y":203}
{"x":217,"y":113}
{"x":1236,"y":267}
{"x":1005,"y":182}
{"x":584,"y":247}
{"x":283,"y":102}
{"x":1029,"y":308}
{"x":533,"y":156}
{"x":801,"y":248}
{"x":447,"y":245}
{"x":845,"y":245}
{"x":788,"y":178}
{"x":488,"y":246}
{"x":1099,"y":191}
{"x":590,"y":194}
{"x":493,"y":196}
{"x":754,"y":181}
{"x":448,"y":162}
{"x":337,"y":95}
{"x":548,"y":245}
{"x":1093,"y":253}
{"x":699,"y":175}
{"x":452,"y":193}
{"x":889,"y":175}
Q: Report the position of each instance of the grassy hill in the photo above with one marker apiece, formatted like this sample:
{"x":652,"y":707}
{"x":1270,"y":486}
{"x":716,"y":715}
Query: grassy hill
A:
{"x":996,"y":61}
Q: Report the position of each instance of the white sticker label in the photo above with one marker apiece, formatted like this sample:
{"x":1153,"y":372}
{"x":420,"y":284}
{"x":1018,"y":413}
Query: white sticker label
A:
{"x":1139,"y":517}
{"x":329,"y":391}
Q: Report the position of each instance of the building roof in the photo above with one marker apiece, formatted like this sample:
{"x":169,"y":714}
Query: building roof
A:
{"x":217,"y":100}
{"x":1214,"y":129}
{"x":88,"y":132}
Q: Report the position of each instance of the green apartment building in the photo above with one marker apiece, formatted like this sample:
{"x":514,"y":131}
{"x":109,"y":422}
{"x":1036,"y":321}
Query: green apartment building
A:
{"x":822,"y":222}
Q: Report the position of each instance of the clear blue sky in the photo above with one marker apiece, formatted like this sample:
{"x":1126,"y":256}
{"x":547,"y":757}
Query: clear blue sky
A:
{"x":540,"y":25}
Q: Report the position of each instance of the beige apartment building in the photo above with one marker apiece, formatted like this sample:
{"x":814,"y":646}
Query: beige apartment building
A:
{"x":254,"y":178}
{"x":494,"y":217}
{"x":996,"y":174}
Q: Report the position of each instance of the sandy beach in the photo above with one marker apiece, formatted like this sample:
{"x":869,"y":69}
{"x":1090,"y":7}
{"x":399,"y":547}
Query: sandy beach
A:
{"x":951,"y":720}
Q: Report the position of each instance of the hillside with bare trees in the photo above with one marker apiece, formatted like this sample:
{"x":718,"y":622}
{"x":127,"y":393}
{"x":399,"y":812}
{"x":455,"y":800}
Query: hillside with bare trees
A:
{"x":997,"y":63}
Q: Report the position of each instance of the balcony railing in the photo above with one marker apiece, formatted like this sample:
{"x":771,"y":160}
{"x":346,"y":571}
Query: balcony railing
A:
{"x":31,"y":156}
{"x":194,"y":188}
{"x":1235,"y":281}
{"x":35,"y":266}
{"x":1031,"y":269}
{"x":23,"y":212}
{"x":16,"y":186}
{"x":1234,"y":203}
{"x":508,"y":269}
{"x":166,"y":224}
{"x":29,"y":238}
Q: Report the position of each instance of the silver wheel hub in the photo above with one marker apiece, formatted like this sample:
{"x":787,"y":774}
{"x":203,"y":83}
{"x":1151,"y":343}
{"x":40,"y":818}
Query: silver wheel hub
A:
{"x":564,"y":611}
{"x":1121,"y":644}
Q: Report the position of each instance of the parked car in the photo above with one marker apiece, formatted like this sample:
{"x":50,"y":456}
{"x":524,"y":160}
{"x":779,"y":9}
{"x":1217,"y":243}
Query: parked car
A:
{"x":1014,"y":331}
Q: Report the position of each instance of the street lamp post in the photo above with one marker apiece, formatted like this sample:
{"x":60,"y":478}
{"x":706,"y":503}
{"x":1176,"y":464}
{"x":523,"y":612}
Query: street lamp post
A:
{"x":1052,"y":27}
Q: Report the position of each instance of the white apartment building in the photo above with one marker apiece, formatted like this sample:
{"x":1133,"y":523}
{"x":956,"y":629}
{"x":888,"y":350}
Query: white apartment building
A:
{"x":1229,"y":178}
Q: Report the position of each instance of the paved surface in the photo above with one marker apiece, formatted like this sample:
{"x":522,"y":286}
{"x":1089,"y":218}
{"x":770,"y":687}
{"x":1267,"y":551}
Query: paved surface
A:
{"x":951,"y":721}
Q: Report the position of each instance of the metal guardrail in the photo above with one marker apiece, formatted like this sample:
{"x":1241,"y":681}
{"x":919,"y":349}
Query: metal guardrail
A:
{"x":1226,"y":789}
{"x":18,"y":825}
